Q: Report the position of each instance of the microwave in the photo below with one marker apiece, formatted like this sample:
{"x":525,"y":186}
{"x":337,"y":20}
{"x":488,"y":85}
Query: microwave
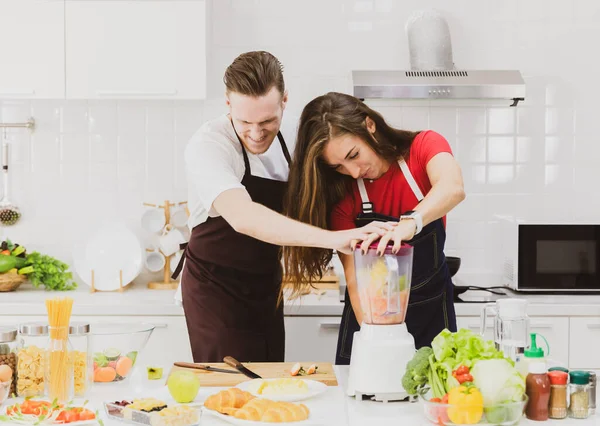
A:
{"x":561,"y":258}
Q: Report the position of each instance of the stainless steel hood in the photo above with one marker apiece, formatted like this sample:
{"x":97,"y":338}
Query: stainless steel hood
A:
{"x":451,"y":84}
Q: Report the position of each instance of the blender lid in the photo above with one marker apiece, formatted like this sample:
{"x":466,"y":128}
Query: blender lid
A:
{"x":404,"y":248}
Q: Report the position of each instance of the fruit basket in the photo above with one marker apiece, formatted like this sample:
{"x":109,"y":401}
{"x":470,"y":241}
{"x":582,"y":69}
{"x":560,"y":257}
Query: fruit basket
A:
{"x":505,"y":414}
{"x":116,"y":348}
{"x":11,"y":281}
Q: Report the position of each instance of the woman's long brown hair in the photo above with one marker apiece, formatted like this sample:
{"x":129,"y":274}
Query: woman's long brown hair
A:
{"x":315,"y":188}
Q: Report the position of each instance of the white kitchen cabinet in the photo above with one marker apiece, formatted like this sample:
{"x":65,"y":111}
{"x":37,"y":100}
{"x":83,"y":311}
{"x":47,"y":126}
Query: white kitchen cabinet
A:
{"x":32,"y":64}
{"x":554,"y":329}
{"x":584,"y":345}
{"x":136,"y":49}
{"x":311,"y":339}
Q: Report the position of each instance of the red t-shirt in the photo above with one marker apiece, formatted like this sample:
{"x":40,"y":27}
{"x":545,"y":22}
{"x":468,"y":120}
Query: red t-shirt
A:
{"x":391,"y":194}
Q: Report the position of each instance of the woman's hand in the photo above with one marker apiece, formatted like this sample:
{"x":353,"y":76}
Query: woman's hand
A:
{"x":346,"y":241}
{"x":404,"y":231}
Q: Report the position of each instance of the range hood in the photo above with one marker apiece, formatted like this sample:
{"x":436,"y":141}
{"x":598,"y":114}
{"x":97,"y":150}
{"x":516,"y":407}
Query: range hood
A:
{"x":440,"y":84}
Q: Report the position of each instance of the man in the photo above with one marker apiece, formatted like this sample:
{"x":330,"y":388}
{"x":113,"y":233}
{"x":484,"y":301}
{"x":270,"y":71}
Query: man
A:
{"x":237,"y":167}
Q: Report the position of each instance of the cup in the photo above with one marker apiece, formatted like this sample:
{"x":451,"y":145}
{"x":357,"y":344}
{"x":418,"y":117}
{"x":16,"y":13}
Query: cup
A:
{"x":155,"y":260}
{"x":153,"y":220}
{"x":179,"y":216}
{"x":170,"y":239}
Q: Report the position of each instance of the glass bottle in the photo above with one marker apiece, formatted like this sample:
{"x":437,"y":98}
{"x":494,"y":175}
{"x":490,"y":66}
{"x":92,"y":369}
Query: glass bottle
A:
{"x":83,"y":364}
{"x":8,"y":356}
{"x":31,"y":359}
{"x":579,"y":394}
{"x":59,"y":366}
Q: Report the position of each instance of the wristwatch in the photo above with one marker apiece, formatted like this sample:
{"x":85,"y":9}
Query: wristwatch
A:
{"x":416,"y":216}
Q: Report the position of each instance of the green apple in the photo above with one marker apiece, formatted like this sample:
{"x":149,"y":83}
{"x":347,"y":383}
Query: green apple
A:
{"x":183,"y":386}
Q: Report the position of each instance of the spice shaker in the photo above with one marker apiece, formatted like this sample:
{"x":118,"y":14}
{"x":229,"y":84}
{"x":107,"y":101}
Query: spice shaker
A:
{"x":579,"y":394}
{"x":557,"y":408}
{"x":592,"y":393}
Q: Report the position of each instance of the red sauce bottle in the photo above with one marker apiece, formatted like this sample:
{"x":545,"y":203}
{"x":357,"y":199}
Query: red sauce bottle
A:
{"x":537,"y":388}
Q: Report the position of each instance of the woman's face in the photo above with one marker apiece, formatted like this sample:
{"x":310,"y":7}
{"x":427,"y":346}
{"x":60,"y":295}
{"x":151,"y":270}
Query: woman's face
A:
{"x":349,"y":155}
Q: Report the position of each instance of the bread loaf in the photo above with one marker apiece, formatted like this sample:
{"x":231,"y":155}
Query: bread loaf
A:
{"x":228,"y":401}
{"x":265,"y":410}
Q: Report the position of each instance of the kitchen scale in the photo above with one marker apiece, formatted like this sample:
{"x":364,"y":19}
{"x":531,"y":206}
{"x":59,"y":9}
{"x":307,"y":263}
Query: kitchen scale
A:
{"x":383,"y":346}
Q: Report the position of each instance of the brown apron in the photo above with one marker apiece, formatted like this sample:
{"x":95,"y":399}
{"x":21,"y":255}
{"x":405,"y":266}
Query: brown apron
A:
{"x":231,"y":284}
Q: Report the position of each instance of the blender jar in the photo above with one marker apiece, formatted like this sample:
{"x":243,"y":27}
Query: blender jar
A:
{"x":31,"y":359}
{"x":384,"y":284}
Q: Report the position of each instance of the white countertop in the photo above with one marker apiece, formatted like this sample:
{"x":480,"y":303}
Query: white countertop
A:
{"x":331,"y":408}
{"x":138,"y":300}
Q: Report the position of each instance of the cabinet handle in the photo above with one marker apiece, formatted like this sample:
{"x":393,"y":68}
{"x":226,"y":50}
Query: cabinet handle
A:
{"x":542,"y":325}
{"x":478,"y":326}
{"x":12,"y":92}
{"x":330,"y":325}
{"x":593,"y":326}
{"x":135,"y":93}
{"x":160,"y":325}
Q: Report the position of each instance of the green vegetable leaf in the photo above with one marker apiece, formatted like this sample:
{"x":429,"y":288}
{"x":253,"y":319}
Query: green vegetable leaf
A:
{"x":50,"y":272}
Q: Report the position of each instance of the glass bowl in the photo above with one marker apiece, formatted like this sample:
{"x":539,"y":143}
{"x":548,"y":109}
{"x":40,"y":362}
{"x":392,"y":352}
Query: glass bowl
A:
{"x":504,"y":414}
{"x":4,"y":391}
{"x":115,"y":348}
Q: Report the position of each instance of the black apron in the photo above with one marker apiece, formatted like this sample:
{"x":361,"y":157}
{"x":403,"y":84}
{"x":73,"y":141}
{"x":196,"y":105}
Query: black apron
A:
{"x":431,"y":300}
{"x":231,"y":284}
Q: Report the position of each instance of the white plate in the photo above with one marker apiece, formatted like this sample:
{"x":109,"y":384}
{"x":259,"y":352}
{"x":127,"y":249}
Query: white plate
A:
{"x":240,"y":422}
{"x":110,"y":249}
{"x":314,"y":388}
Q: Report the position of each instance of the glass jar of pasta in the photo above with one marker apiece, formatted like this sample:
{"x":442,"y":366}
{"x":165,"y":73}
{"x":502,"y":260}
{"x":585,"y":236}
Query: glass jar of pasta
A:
{"x":8,"y":353}
{"x":83,"y":368}
{"x":58,"y":380}
{"x":31,"y":359}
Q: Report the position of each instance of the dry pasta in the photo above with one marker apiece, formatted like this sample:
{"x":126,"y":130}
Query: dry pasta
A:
{"x":80,"y":372}
{"x":30,"y":371}
{"x":60,"y":367}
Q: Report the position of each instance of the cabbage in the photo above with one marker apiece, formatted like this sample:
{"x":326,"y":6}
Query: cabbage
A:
{"x":498,"y":381}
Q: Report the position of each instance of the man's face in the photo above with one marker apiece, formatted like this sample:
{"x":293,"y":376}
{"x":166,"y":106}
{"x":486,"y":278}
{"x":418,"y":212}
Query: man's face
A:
{"x":257,"y":119}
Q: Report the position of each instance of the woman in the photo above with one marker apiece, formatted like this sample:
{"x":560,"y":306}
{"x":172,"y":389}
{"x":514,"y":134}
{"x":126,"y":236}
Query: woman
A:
{"x":350,"y":167}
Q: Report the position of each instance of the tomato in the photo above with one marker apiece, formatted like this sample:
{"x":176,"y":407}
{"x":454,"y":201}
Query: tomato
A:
{"x":87,"y":415}
{"x":438,"y":413}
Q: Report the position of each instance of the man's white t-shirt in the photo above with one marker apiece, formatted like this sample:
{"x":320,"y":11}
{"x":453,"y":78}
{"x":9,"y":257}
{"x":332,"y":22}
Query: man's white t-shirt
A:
{"x":214,"y":163}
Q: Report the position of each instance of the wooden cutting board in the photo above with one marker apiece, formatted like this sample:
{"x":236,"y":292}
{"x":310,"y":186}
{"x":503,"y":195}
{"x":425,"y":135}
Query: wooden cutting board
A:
{"x":267,"y":370}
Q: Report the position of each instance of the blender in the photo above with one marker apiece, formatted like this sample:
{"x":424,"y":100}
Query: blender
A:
{"x":383,"y":346}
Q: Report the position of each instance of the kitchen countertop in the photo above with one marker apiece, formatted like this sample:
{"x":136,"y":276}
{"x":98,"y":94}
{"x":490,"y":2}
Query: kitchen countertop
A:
{"x":332,"y":408}
{"x":138,"y":300}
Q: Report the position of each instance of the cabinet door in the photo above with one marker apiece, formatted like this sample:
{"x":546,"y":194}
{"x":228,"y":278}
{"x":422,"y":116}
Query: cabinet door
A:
{"x":32,"y":64}
{"x":311,"y":339}
{"x":584,"y":344}
{"x":136,"y":49}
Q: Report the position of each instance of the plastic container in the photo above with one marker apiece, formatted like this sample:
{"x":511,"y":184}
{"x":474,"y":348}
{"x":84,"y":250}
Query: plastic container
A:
{"x":83,"y":369}
{"x":500,"y":414}
{"x":31,"y":359}
{"x":532,"y":354}
{"x":384,"y":284}
{"x":558,"y":406}
{"x":9,"y":346}
{"x":537,"y":388}
{"x":579,"y":396}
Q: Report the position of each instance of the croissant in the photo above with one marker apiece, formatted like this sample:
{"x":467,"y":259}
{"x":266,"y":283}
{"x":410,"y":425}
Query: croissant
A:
{"x":228,"y":401}
{"x":285,"y":412}
{"x":266,"y":410}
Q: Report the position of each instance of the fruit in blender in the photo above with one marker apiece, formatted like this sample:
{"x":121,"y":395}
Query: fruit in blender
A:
{"x":183,"y":386}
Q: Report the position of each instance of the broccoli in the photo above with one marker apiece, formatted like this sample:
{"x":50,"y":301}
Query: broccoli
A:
{"x":416,"y":371}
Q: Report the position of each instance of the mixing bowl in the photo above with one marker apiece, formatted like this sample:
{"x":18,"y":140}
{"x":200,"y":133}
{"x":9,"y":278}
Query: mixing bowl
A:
{"x":116,"y":347}
{"x":504,"y":414}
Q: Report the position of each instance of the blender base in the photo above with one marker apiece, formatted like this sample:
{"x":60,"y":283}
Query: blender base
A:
{"x":378,"y":362}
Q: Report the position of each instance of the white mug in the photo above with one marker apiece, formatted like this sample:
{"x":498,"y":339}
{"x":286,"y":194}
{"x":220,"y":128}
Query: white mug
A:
{"x":155,"y":260}
{"x":179,"y":216}
{"x":169,"y":241}
{"x":153,"y":220}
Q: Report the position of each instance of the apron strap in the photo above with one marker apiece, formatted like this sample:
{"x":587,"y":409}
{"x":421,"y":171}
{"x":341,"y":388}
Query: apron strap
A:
{"x":179,"y":267}
{"x":286,"y":153}
{"x":367,"y":206}
{"x":410,"y":179}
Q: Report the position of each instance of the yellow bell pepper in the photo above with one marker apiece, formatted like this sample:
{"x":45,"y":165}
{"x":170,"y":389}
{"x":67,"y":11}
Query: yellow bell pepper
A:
{"x":465,"y":405}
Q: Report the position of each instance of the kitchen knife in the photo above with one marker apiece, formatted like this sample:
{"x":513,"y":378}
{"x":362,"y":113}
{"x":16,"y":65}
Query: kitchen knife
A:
{"x":239,"y":367}
{"x":205,"y":367}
